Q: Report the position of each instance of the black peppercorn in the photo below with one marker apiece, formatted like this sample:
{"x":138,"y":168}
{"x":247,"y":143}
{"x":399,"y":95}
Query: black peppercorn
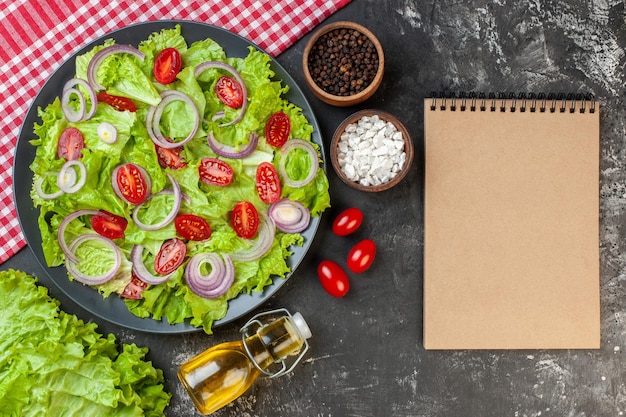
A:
{"x":343,"y":62}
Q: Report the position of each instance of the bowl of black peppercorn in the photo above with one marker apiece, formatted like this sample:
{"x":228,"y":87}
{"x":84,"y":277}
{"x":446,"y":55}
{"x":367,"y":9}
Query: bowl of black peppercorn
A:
{"x":343,"y":63}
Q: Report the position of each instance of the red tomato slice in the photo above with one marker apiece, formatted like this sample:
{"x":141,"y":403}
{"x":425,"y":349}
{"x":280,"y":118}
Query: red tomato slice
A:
{"x":71,"y":143}
{"x":333,"y":278}
{"x":170,"y":158}
{"x":348,"y":221}
{"x":214,"y":171}
{"x":268,"y":183}
{"x":134,"y":288}
{"x":131,"y":183}
{"x":277,"y":129}
{"x":109,"y":225}
{"x":361,"y":256}
{"x":170,"y":256}
{"x":167,"y":65}
{"x":245,"y":219}
{"x":119,"y":103}
{"x":229,"y":91}
{"x":192,"y":227}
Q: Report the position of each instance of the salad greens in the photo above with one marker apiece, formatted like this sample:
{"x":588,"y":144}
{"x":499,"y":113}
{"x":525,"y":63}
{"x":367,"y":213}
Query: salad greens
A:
{"x":53,"y":364}
{"x":127,"y":76}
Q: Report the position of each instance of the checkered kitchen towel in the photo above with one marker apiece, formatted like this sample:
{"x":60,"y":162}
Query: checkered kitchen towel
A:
{"x":37,"y":36}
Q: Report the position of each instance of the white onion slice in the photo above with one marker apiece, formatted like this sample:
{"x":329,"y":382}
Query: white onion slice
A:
{"x":289,"y":216}
{"x":153,"y":119}
{"x":170,"y":216}
{"x":263,"y":243}
{"x":72,"y":266}
{"x":92,"y":67}
{"x":41,"y":193}
{"x":107,"y":132}
{"x":139,"y":268}
{"x":61,"y":232}
{"x":217,"y":281}
{"x":289,"y":146}
{"x":68,"y":90}
{"x":70,"y":114}
{"x":68,"y":181}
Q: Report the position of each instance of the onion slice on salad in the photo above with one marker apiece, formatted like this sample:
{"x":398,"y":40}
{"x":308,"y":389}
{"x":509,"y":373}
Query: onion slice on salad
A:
{"x":92,"y":67}
{"x":69,"y":89}
{"x":217,"y":281}
{"x":72,"y":266}
{"x":39,"y":187}
{"x":289,"y":216}
{"x":107,"y":132}
{"x":226,"y":151}
{"x":139,"y":268}
{"x":170,"y":216}
{"x":230,"y":69}
{"x":263,"y":243}
{"x":68,"y":181}
{"x":69,"y":254}
{"x":289,"y":146}
{"x":153,"y":119}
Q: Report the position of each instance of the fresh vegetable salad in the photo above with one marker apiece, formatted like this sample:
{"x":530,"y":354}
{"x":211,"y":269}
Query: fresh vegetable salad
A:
{"x":174,"y":176}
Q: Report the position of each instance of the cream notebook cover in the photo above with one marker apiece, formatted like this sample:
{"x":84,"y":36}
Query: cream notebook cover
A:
{"x":511,"y":233}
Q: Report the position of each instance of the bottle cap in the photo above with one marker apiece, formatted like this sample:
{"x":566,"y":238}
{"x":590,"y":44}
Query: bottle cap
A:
{"x":300,"y":323}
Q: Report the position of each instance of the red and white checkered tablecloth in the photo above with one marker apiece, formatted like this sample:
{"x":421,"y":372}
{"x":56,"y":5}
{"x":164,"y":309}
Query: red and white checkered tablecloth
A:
{"x":37,"y":36}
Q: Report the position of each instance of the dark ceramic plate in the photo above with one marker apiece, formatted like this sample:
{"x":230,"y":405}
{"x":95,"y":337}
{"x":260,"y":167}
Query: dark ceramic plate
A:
{"x":113,"y":308}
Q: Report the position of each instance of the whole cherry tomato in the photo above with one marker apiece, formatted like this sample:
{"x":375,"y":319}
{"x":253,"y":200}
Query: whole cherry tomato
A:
{"x":134,"y":288}
{"x":348,"y":221}
{"x":119,"y":103}
{"x":277,"y":129}
{"x":109,"y":225}
{"x":214,"y":171}
{"x":71,"y":143}
{"x":361,"y":256}
{"x":192,"y":227}
{"x":333,"y":278}
{"x":245,"y":219}
{"x":268,"y":183}
{"x":229,"y":91}
{"x":170,"y":256}
{"x":132,"y":183}
{"x":167,"y":65}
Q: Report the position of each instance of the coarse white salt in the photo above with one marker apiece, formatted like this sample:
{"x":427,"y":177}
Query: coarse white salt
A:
{"x":371,"y":151}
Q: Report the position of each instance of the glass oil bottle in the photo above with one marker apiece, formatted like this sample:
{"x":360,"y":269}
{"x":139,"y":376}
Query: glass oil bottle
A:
{"x":225,"y":371}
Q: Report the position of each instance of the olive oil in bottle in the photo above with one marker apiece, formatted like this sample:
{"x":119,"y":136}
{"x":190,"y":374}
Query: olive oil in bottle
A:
{"x":224,"y":372}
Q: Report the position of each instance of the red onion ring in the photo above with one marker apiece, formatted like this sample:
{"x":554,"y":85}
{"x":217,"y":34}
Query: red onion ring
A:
{"x":226,"y":151}
{"x":72,"y":267}
{"x":139,"y":268}
{"x":70,"y":114}
{"x":263,"y":243}
{"x":69,"y":89}
{"x":215,"y":283}
{"x":69,"y":254}
{"x":170,"y":216}
{"x":223,"y":66}
{"x":92,"y":67}
{"x":153,"y":119}
{"x":289,"y":216}
{"x":40,"y":191}
{"x":289,"y":146}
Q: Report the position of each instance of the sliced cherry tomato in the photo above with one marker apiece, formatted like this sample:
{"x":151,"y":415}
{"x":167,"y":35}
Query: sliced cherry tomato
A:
{"x":132,"y":184}
{"x":134,"y":288}
{"x":277,"y":129}
{"x":214,"y":171}
{"x":245,"y":219}
{"x":171,"y":158}
{"x":119,"y":103}
{"x":170,"y":256}
{"x":347,"y":221}
{"x":229,"y":91}
{"x":268,"y":183}
{"x":167,"y":65}
{"x":71,"y":143}
{"x":109,"y":225}
{"x":361,"y":256}
{"x":192,"y":227}
{"x":333,"y":278}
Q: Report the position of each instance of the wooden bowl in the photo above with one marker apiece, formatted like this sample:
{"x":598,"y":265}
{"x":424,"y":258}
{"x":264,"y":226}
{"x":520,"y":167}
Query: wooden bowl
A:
{"x":339,"y":155}
{"x":351,"y":98}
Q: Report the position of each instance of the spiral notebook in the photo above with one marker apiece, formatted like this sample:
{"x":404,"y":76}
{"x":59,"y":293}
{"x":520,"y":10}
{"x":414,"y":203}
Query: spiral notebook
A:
{"x":511,"y":223}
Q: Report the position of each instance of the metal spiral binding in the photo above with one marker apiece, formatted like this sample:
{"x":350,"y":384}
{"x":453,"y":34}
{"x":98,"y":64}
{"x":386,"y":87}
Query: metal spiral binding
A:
{"x":542,"y":102}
